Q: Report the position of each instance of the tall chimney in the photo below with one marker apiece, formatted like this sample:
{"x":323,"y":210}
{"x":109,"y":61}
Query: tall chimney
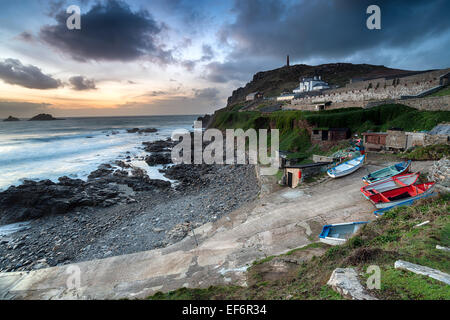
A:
{"x":287,"y":61}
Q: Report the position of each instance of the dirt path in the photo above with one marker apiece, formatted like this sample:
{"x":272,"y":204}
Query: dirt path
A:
{"x":274,"y":224}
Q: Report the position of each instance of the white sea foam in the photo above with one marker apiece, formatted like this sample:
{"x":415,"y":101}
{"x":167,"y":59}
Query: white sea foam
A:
{"x":75,"y":147}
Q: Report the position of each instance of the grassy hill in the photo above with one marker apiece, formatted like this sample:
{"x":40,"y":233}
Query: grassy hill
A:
{"x":381,"y":242}
{"x":274,"y":82}
{"x":295,"y":138}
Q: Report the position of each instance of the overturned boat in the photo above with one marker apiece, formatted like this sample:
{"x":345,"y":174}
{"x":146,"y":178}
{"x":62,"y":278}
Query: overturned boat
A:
{"x":402,"y":196}
{"x":346,"y":167}
{"x":391,"y":171}
{"x":402,"y":180}
{"x":339,"y":233}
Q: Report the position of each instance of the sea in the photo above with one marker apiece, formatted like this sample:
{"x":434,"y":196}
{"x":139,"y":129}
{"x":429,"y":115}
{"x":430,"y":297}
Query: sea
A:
{"x":74,"y":147}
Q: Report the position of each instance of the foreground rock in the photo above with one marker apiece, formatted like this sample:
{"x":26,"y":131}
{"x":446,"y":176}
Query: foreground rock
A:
{"x":11,"y":118}
{"x":144,"y":213}
{"x":426,"y":271}
{"x":345,"y":282}
{"x":33,"y":199}
{"x":43,"y":117}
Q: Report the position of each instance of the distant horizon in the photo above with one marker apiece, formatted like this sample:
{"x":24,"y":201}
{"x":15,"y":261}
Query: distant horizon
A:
{"x":117,"y":116}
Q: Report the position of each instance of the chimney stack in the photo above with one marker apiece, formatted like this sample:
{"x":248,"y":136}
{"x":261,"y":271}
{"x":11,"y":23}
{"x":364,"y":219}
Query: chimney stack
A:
{"x":287,"y":61}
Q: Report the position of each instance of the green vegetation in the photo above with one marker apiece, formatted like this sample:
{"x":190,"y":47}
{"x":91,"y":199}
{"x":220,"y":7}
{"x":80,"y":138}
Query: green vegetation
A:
{"x":381,"y":242}
{"x":293,"y":125}
{"x":379,"y":118}
{"x":432,"y":152}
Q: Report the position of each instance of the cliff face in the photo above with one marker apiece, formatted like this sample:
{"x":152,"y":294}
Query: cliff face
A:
{"x":273,"y":82}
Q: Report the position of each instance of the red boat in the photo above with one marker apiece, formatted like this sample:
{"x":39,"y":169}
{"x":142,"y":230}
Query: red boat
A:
{"x":401,"y":195}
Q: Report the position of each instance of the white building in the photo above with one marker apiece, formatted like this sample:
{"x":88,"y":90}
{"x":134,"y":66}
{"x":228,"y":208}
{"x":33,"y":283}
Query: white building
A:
{"x":311,"y":84}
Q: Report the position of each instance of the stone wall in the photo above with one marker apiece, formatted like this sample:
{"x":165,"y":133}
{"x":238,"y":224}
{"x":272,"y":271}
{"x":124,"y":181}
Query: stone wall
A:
{"x":379,"y":91}
{"x":430,"y":103}
{"x":427,"y":103}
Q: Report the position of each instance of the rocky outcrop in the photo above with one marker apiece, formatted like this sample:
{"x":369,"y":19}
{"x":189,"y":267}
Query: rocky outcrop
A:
{"x":33,"y":199}
{"x":11,"y":118}
{"x":140,"y":131}
{"x":272,"y":82}
{"x":159,"y":146}
{"x":345,"y":282}
{"x":440,"y":172}
{"x":43,"y":117}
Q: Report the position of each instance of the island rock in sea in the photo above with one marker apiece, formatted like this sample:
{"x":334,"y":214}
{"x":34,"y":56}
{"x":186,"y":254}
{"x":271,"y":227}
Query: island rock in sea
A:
{"x":11,"y":118}
{"x":43,"y":117}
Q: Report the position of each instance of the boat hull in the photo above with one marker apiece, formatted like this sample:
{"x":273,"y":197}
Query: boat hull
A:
{"x":401,"y":195}
{"x":390,"y":183}
{"x":388,"y":172}
{"x":346,"y":168}
{"x":408,"y":202}
{"x":336,"y":234}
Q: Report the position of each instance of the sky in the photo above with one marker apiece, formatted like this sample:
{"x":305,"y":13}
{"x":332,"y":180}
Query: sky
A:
{"x":137,"y":57}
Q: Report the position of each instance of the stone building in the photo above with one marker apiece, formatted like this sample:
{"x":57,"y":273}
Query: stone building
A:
{"x":319,"y":135}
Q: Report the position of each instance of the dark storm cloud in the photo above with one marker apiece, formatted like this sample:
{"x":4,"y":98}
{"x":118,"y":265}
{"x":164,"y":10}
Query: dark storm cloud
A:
{"x":12,"y":71}
{"x":206,"y":93}
{"x":110,"y":30}
{"x":81,"y":83}
{"x":330,"y":30}
{"x":239,"y":69}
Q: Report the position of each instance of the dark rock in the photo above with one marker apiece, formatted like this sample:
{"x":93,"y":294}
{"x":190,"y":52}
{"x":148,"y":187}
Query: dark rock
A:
{"x":159,"y":158}
{"x":43,"y":117}
{"x":11,"y":118}
{"x":146,"y":130}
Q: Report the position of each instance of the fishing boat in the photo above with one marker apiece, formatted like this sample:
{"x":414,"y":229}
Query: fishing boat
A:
{"x":407,"y":202}
{"x":387,"y":172}
{"x":346,"y":167}
{"x":401,"y":195}
{"x":339,"y":233}
{"x":402,"y":180}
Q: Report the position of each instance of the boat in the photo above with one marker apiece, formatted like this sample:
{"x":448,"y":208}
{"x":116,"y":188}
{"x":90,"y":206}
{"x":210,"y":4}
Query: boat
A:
{"x":401,"y":195}
{"x":339,"y":233}
{"x":396,"y":169}
{"x":346,"y":167}
{"x":402,"y":180}
{"x":407,"y":202}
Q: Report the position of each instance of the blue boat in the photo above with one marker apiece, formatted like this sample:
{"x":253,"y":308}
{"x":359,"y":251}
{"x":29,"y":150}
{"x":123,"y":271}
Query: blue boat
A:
{"x":346,"y":167}
{"x":339,"y":233}
{"x":387,"y":172}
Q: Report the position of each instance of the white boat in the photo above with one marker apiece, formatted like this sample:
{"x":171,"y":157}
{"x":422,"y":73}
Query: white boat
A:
{"x":346,"y":167}
{"x":390,"y":183}
{"x":339,"y":233}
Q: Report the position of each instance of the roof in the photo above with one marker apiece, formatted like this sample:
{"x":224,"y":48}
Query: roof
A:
{"x":308,"y":165}
{"x":374,"y":133}
{"x":443,"y":128}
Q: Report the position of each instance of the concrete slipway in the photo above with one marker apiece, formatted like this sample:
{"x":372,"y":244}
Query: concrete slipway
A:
{"x":275,"y":223}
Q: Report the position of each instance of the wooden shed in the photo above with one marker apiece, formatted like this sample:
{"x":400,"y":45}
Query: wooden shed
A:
{"x":374,"y":140}
{"x":330,"y":134}
{"x":295,"y":174}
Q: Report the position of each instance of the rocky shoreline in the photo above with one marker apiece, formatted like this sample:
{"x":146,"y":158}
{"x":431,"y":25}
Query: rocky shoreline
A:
{"x":118,"y":210}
